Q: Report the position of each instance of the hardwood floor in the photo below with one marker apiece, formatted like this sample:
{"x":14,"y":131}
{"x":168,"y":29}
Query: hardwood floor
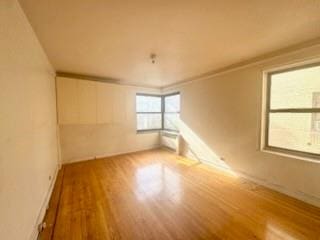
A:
{"x":158,"y":195}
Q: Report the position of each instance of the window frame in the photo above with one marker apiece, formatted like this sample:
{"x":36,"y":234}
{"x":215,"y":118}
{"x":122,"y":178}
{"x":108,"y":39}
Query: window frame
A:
{"x":314,"y":120}
{"x":164,"y":110}
{"x":265,"y":146}
{"x":161,"y":101}
{"x":162,"y":97}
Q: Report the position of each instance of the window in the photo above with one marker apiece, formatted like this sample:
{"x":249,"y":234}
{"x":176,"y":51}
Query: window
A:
{"x":316,"y":116}
{"x":156,"y":112}
{"x":149,"y":112}
{"x":171,"y":111}
{"x":293,"y":111}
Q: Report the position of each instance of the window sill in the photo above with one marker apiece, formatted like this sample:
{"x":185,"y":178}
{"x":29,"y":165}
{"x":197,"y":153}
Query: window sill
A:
{"x":290,"y":155}
{"x":168,"y":133}
{"x":148,"y":131}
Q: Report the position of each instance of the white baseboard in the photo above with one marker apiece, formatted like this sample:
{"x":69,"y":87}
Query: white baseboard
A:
{"x":110,"y":154}
{"x":43,"y":209}
{"x":295,"y":194}
{"x":310,"y":199}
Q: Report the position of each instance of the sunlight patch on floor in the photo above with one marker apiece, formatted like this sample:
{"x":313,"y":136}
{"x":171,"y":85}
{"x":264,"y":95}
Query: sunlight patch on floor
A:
{"x":157,"y":180}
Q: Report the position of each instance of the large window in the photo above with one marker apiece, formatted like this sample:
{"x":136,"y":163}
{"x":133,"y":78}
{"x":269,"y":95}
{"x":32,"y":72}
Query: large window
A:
{"x":149,"y":112}
{"x":293,"y":111}
{"x":171,"y":111}
{"x":156,"y":112}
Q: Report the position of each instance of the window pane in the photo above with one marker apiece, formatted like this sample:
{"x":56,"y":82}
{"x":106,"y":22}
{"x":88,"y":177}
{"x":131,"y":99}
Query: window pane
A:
{"x":148,"y":103}
{"x":172,"y":103}
{"x":295,"y":89}
{"x":316,"y":116}
{"x":171,"y":121}
{"x":148,"y":121}
{"x":295,"y":131}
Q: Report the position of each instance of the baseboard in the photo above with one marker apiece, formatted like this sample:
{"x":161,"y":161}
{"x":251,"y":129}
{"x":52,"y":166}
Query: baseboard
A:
{"x":43,"y":209}
{"x":110,"y":154}
{"x":310,"y":199}
{"x":295,"y":194}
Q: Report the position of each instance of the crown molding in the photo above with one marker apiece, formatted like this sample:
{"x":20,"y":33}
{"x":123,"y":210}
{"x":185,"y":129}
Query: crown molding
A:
{"x":243,"y":64}
{"x":101,"y":79}
{"x":250,"y":62}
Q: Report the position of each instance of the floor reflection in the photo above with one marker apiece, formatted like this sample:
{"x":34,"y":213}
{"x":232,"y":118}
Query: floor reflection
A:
{"x":157,"y":180}
{"x":275,"y":231}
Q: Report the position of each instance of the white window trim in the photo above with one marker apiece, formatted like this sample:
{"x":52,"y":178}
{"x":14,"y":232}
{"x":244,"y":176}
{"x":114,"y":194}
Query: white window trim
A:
{"x":162,"y":96}
{"x":263,"y":146}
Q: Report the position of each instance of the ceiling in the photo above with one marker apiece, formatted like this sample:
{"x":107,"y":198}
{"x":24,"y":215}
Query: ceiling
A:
{"x":114,"y":38}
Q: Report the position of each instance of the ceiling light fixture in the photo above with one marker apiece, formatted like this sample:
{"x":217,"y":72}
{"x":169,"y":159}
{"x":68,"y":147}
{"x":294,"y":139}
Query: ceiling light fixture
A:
{"x":153,"y":58}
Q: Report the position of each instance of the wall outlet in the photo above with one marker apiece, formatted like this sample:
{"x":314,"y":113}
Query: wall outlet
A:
{"x":42,"y":226}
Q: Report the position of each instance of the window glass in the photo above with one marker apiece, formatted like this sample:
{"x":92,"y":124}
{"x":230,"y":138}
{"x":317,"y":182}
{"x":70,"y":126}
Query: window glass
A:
{"x":148,"y":103}
{"x":295,"y":89}
{"x":152,"y":116}
{"x":171,"y":121}
{"x":172,"y":103}
{"x":171,"y":112}
{"x":148,"y":121}
{"x":148,"y":110}
{"x":294,"y":118}
{"x":293,"y":131}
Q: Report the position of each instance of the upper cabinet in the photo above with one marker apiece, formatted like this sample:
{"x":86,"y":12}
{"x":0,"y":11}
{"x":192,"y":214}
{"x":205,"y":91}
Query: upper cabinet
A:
{"x":87,"y":101}
{"x":105,"y":108}
{"x":90,"y":102}
{"x":68,"y":112}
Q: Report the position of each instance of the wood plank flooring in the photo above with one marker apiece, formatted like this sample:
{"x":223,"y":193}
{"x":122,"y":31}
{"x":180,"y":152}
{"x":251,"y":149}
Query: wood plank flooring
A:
{"x":158,"y":195}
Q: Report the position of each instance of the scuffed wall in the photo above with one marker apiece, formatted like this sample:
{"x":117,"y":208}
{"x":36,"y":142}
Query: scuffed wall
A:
{"x":28,"y":139}
{"x":221,"y":122}
{"x":98,"y":119}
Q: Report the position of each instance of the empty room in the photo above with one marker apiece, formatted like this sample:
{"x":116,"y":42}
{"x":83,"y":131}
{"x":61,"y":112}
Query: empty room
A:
{"x":160,"y":120}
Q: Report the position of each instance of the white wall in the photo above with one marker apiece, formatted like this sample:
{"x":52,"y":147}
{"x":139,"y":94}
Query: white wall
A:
{"x":98,"y":119}
{"x":28,"y":140}
{"x":221,"y":118}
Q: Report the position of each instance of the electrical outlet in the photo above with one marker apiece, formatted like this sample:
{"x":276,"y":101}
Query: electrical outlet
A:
{"x":42,"y":226}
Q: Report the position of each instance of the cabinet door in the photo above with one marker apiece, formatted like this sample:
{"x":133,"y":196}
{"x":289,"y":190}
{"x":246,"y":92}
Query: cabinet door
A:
{"x":105,"y":96}
{"x":87,"y":102}
{"x":68,"y":111}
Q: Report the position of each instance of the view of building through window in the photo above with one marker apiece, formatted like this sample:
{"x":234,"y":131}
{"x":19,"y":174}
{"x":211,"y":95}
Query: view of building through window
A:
{"x":171,"y":111}
{"x":294,"y":116}
{"x":157,"y":112}
{"x":149,"y":112}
